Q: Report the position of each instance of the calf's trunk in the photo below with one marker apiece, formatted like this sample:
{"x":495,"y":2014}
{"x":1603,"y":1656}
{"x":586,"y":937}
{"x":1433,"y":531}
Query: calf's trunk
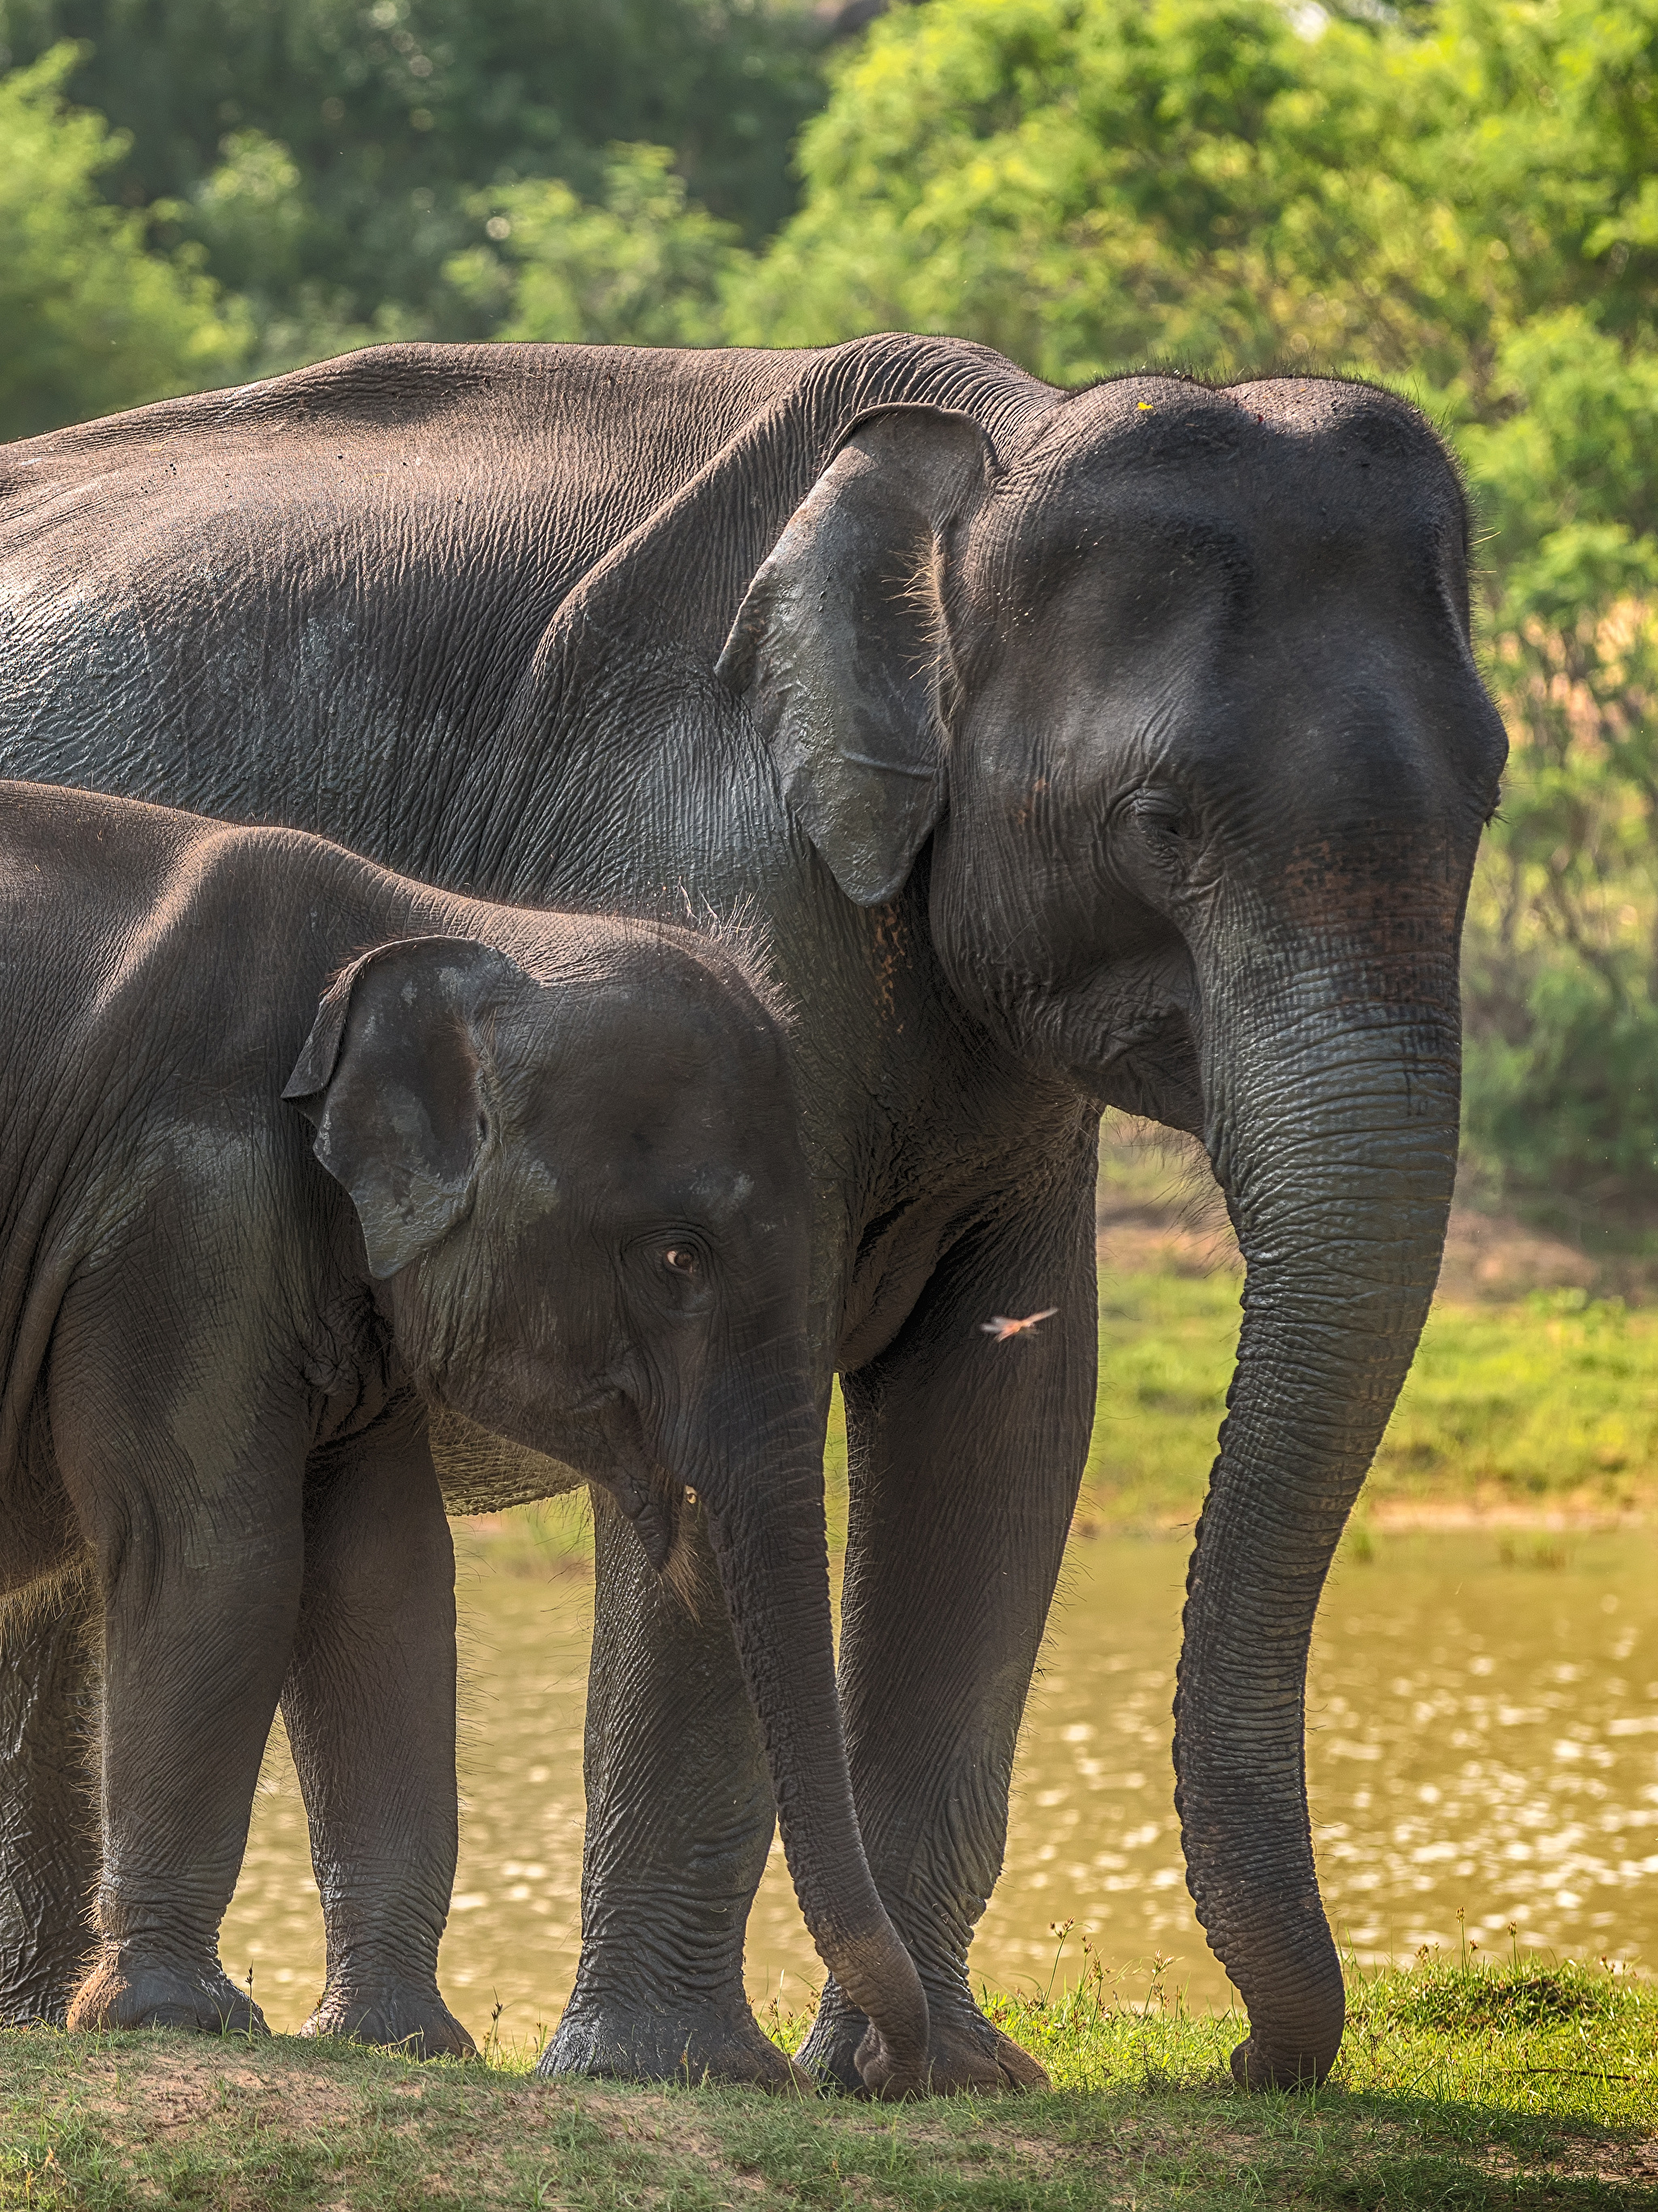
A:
{"x":761,"y":1479}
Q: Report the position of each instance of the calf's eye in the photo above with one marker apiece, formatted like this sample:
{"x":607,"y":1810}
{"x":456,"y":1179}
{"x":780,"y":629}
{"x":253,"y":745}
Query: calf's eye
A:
{"x":681,"y":1261}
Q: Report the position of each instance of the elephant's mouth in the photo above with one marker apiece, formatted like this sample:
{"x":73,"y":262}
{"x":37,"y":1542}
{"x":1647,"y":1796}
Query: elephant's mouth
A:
{"x":649,"y":1513}
{"x":649,"y":1496}
{"x":600,"y":1436}
{"x":1153,"y":1071}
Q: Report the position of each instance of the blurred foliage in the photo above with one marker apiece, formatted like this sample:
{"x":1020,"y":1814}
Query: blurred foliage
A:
{"x":324,"y":151}
{"x":1460,"y":198}
{"x":92,"y":317}
{"x":1546,"y":1401}
{"x":643,"y":267}
{"x":1228,"y":183}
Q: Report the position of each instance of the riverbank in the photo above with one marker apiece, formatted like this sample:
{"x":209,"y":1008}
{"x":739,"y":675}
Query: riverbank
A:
{"x":1532,"y":1414}
{"x":1477,"y":2089}
{"x":1533,"y":1405}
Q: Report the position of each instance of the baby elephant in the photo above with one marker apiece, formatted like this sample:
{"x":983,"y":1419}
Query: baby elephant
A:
{"x":560,"y":1195}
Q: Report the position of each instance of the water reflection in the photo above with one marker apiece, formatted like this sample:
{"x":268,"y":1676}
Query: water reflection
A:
{"x":1489,"y":1738}
{"x":1484,"y":1734}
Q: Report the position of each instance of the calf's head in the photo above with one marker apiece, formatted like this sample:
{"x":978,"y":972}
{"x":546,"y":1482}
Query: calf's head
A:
{"x":577,"y":1173}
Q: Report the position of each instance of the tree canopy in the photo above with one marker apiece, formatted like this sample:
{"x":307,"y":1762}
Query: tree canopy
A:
{"x":92,"y":317}
{"x":1457,"y":197}
{"x":323,"y":151}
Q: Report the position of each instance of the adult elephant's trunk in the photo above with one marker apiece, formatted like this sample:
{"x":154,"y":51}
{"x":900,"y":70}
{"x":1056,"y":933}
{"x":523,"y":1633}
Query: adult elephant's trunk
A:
{"x":761,"y":1480}
{"x":1332,"y":1083}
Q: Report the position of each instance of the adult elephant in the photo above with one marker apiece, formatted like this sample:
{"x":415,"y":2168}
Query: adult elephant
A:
{"x":1122,"y":746}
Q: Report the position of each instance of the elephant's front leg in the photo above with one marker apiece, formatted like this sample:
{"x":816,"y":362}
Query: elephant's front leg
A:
{"x":965,"y":1458}
{"x":200,"y":1570}
{"x":679,"y":1823}
{"x":370,"y":1706}
{"x":49,"y":1842}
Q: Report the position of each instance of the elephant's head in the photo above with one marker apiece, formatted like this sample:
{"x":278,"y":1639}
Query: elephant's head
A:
{"x":1181,"y":692}
{"x":578,"y":1180}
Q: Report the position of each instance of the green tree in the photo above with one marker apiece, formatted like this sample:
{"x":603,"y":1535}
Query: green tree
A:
{"x":1091,"y":184}
{"x":92,"y":318}
{"x":392,"y":113}
{"x":255,"y":219}
{"x":1074,"y":181}
{"x":646,"y":266}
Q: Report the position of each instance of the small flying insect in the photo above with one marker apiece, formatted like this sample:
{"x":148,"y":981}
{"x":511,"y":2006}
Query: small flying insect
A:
{"x":1001,"y":1327}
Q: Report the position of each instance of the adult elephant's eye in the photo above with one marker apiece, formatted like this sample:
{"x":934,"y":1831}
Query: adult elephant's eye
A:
{"x":679,"y":1261}
{"x":1161,"y":819}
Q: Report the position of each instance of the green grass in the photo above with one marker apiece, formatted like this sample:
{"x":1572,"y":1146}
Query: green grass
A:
{"x":1544,"y":1404}
{"x":1457,"y":2087}
{"x":1552,"y":1402}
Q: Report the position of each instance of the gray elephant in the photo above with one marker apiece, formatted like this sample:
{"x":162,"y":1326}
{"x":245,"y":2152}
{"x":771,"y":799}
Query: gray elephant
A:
{"x":1118,"y":746}
{"x":577,"y":1218}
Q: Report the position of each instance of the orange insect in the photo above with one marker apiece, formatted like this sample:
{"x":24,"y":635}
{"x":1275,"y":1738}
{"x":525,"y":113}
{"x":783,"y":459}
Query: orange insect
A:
{"x":1001,"y":1327}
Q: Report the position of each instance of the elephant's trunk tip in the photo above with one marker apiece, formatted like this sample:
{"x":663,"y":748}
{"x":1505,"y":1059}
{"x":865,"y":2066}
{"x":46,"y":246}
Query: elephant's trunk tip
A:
{"x":1258,"y":2065}
{"x":768,"y":1536}
{"x":876,"y":1972}
{"x":894,"y":2059}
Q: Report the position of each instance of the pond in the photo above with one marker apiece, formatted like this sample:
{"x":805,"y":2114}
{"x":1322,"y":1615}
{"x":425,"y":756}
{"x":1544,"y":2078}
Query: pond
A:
{"x":1483,"y":1751}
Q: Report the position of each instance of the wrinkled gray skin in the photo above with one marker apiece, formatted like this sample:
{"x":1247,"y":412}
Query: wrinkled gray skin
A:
{"x":1123,"y":747}
{"x":568,"y":1205}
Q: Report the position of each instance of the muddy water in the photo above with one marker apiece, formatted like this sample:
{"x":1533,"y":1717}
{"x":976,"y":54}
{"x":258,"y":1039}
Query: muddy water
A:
{"x":1483,"y":1740}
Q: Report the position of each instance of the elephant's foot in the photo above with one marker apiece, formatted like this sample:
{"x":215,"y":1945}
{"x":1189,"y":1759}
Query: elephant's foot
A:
{"x":33,"y":1988}
{"x":127,"y":1987}
{"x":411,"y":2018}
{"x":967,"y":2051}
{"x":608,"y":2038}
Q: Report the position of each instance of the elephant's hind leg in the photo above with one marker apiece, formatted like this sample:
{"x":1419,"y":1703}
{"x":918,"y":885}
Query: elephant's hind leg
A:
{"x":370,"y":1706}
{"x":49,"y":1842}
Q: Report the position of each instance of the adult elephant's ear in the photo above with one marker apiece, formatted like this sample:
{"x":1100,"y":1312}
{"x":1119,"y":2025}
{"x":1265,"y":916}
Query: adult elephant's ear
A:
{"x":393,"y":1077}
{"x":842,"y":644}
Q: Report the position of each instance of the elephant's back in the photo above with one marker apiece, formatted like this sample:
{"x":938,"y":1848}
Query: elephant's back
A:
{"x":590,"y":437}
{"x":314,"y":601}
{"x":249,"y":602}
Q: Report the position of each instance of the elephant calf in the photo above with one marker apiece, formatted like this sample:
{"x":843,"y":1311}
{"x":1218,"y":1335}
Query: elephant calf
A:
{"x":563,"y":1200}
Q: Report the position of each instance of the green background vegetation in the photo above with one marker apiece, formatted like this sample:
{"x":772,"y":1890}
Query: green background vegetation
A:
{"x":1547,"y":1404}
{"x":1459,"y":197}
{"x":1534,"y":1413}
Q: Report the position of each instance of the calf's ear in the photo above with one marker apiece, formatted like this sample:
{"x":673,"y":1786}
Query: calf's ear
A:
{"x":392,"y":1078}
{"x":841,"y":642}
